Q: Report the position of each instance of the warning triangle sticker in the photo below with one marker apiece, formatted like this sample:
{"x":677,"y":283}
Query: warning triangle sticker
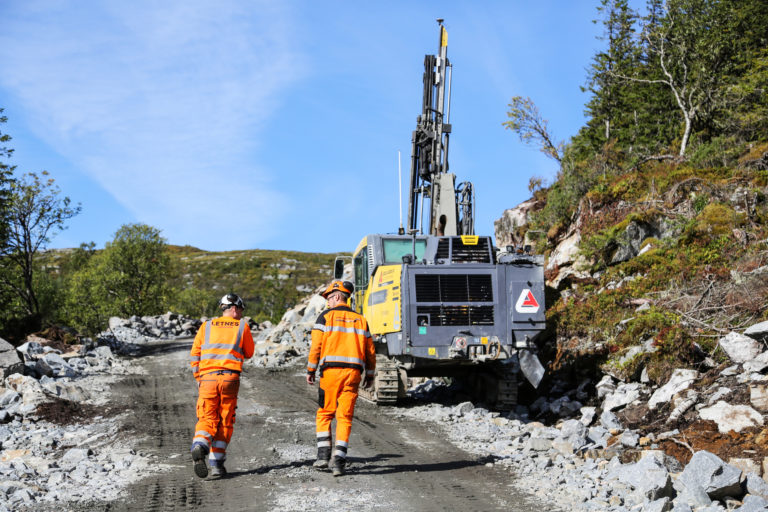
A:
{"x":527,"y":303}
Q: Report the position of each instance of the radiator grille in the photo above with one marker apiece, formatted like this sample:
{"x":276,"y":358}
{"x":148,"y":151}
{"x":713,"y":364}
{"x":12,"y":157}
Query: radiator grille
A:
{"x":457,"y":315}
{"x":454,"y":288}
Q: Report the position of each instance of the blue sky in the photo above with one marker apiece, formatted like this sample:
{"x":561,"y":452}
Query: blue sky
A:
{"x":276,"y":124}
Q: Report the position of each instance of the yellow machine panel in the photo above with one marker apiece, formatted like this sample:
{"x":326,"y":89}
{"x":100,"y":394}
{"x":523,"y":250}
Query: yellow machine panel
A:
{"x":381,"y":303}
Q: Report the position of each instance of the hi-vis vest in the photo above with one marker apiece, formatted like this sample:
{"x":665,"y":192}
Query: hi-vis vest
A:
{"x":221,"y":344}
{"x":340,"y":339}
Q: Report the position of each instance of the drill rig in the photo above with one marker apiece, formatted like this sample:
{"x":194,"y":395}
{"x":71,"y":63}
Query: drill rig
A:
{"x":446,"y":302}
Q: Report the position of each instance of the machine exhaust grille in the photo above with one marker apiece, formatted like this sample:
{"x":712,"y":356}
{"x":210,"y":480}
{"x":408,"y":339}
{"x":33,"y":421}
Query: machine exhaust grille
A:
{"x":454,"y":288}
{"x":456,"y":315}
{"x":478,"y":253}
{"x":454,"y":250}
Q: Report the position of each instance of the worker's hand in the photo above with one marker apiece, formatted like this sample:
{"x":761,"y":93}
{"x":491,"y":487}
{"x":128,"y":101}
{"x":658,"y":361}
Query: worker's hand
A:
{"x":311,"y":378}
{"x":368,"y":381}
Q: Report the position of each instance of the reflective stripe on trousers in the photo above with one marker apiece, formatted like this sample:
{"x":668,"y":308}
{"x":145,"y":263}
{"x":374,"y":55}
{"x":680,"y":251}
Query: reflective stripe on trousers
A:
{"x":216,"y":403}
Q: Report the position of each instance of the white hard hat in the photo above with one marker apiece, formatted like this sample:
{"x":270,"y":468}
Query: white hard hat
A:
{"x":231,"y":299}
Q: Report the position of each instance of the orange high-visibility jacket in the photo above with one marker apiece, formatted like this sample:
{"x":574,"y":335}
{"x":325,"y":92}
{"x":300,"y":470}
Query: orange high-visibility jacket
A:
{"x":221,"y":344}
{"x":340,"y":339}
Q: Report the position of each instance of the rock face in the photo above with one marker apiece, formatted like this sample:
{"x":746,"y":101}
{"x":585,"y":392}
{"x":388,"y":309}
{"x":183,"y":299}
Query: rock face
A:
{"x":506,"y":227}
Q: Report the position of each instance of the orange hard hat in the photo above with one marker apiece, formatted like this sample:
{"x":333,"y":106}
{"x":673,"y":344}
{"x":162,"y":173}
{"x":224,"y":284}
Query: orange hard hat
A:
{"x":341,"y":286}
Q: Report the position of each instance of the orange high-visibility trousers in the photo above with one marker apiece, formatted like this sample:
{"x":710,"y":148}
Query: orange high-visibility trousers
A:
{"x":337,"y":397}
{"x":216,"y":404}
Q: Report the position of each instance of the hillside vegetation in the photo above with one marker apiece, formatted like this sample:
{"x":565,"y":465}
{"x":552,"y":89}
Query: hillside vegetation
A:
{"x":663,"y":193}
{"x":269,"y":281}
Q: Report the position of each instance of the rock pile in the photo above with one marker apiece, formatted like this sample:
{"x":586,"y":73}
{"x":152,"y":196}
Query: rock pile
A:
{"x":289,"y":340}
{"x":127,"y":335}
{"x":639,"y":447}
{"x":54,"y":429}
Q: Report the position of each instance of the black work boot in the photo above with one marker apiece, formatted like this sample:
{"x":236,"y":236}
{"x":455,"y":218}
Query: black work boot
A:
{"x":337,"y":465}
{"x":323,"y":456}
{"x":218,"y":471}
{"x":198,"y":461}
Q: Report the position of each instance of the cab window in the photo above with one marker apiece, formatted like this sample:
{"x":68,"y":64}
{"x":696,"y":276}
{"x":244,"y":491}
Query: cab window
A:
{"x":395,"y":249}
{"x":361,"y":269}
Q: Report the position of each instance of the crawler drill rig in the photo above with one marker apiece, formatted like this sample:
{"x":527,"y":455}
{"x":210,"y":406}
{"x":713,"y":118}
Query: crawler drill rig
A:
{"x":447,"y":302}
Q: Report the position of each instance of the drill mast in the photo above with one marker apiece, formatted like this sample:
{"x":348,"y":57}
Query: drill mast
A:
{"x":451,"y":209}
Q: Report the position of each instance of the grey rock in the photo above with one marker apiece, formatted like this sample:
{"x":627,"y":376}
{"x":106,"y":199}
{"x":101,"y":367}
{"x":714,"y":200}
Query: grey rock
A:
{"x":115,"y":322}
{"x":9,"y":397}
{"x":714,"y":476}
{"x":564,"y":407}
{"x":756,"y":485}
{"x":753,"y":504}
{"x":22,"y":496}
{"x":758,"y":331}
{"x":605,"y":386}
{"x":58,"y":365}
{"x":103,"y":351}
{"x":42,"y":368}
{"x":599,"y":435}
{"x":740,"y":348}
{"x":75,"y":456}
{"x":610,"y":420}
{"x":732,"y":417}
{"x":463,"y":408}
{"x":680,"y":380}
{"x":629,"y":439}
{"x":681,"y":507}
{"x":691,"y":494}
{"x":758,"y":364}
{"x":587,"y":415}
{"x":758,"y":396}
{"x":648,"y":477}
{"x":10,"y":362}
{"x":573,"y":427}
{"x":660,"y":505}
{"x":624,"y":395}
{"x":630,"y":240}
{"x":538,"y":444}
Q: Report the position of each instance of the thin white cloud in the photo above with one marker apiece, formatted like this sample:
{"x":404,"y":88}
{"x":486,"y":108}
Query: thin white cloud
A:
{"x":160,"y":102}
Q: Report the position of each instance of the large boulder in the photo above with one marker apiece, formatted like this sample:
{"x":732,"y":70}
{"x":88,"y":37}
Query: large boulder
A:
{"x":10,"y":361}
{"x":648,"y":477}
{"x":714,"y":476}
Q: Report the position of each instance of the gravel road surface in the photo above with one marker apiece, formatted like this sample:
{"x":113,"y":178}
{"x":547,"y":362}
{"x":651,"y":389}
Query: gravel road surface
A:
{"x":394,"y":463}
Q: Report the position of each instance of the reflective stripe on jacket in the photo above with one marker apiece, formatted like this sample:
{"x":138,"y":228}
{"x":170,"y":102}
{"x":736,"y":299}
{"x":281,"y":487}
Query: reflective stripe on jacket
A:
{"x":340,"y":339}
{"x":221,"y":344}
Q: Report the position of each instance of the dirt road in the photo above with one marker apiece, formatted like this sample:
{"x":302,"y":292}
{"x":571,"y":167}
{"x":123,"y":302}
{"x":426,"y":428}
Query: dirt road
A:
{"x":394,"y":464}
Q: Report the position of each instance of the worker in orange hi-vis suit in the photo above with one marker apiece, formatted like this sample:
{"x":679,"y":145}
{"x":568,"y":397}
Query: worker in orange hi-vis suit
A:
{"x":341,"y":350}
{"x":221,"y":345}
